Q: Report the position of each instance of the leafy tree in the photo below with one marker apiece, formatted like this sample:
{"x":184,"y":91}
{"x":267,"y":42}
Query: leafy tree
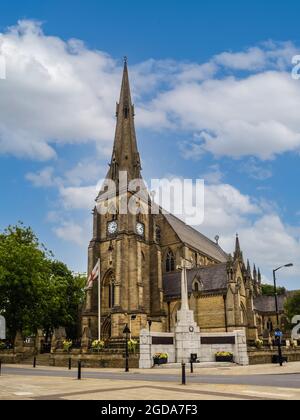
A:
{"x":268,"y":290}
{"x":292,"y":306}
{"x":65,"y":294}
{"x":24,"y":268}
{"x":35,"y":291}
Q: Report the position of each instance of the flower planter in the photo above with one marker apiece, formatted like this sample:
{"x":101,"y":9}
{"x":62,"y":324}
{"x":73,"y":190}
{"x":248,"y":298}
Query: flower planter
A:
{"x":224,"y":359}
{"x":160,"y":361}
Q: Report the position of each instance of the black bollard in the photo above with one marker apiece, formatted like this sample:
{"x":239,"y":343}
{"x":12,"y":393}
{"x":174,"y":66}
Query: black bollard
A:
{"x":192,"y":367}
{"x":0,"y":366}
{"x":34,"y":362}
{"x":79,"y":371}
{"x":70,"y":363}
{"x":183,"y":374}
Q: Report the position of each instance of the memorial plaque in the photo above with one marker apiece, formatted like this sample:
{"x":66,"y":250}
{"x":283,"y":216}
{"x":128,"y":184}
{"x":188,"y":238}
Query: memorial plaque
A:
{"x":2,"y":328}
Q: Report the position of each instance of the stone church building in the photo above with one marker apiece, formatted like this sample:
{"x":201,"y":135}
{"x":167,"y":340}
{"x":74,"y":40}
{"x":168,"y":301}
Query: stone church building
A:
{"x":140,"y":255}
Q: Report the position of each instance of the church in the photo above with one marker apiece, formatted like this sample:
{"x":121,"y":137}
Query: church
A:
{"x":140,"y":255}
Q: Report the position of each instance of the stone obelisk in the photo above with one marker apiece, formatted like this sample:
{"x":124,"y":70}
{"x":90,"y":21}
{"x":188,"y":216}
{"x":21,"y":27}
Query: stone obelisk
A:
{"x":187,"y":332}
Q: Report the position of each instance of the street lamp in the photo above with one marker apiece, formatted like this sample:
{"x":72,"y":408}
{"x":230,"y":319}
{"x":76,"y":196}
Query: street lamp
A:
{"x":279,"y":334}
{"x":127,"y":333}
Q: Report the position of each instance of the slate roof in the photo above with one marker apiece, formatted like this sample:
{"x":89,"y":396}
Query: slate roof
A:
{"x":213,"y":278}
{"x":266,"y":304}
{"x":195,"y":239}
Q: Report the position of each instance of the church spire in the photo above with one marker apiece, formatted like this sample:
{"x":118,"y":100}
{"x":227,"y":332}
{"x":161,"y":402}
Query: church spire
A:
{"x":249,"y":269}
{"x":238,"y":255}
{"x":125,"y":155}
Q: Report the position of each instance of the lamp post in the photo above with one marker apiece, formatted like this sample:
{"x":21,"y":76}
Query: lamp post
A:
{"x":127,"y":333}
{"x":278,"y":337}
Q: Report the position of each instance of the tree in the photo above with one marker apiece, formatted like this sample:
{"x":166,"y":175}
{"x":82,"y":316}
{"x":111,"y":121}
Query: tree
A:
{"x":268,"y":290}
{"x":65,"y":294}
{"x":24,"y":268}
{"x":292,"y":306}
{"x":36,"y":291}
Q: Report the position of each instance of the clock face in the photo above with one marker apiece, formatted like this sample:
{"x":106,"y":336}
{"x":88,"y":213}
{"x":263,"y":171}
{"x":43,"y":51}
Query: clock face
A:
{"x":140,"y":229}
{"x":112,"y":227}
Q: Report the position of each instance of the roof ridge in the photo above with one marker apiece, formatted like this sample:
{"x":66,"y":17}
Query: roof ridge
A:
{"x":198,"y":233}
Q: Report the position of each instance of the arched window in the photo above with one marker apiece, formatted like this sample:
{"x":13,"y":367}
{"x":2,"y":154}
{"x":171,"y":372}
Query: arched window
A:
{"x":158,"y":234}
{"x":197,"y":285}
{"x":170,"y":262}
{"x":111,"y":295}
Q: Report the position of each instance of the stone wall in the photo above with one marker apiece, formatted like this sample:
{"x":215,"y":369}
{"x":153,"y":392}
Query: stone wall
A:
{"x":238,"y":346}
{"x":234,"y":342}
{"x":94,"y":360}
{"x":264,"y":356}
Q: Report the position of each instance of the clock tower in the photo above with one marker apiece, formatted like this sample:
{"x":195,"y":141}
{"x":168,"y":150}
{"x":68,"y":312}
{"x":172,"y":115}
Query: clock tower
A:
{"x":124,"y":241}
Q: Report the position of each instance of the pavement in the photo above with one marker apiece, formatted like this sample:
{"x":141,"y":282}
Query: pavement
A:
{"x":209,"y":382}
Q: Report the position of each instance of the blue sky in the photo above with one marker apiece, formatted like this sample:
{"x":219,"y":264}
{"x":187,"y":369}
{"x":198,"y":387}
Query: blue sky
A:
{"x":214,"y":94}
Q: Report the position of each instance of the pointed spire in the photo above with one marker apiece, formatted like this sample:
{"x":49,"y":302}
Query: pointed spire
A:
{"x":254,"y":273}
{"x":238,"y":255}
{"x":125,"y":155}
{"x":259,"y":276}
{"x":248,"y":268}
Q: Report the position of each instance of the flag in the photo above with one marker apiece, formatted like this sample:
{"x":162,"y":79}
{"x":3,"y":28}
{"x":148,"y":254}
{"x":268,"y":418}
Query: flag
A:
{"x":93,"y":276}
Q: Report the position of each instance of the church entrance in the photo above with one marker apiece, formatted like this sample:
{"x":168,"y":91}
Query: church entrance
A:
{"x":106,"y":328}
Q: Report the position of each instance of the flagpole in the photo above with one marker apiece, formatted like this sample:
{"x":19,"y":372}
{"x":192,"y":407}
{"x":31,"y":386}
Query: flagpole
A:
{"x":99,"y":301}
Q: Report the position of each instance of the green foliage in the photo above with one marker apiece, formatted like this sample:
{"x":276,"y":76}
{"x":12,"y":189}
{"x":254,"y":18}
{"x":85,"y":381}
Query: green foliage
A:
{"x":35,"y":291}
{"x":292,"y":306}
{"x":268,"y":290}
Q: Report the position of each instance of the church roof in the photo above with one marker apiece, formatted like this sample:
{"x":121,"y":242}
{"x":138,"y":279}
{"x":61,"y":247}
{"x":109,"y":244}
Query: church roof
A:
{"x":195,"y":239}
{"x":266,"y":304}
{"x":212,"y":278}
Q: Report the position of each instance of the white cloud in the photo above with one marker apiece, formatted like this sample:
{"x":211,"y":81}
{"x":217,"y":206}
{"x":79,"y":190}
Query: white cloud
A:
{"x":44,"y":178}
{"x":214,"y":175}
{"x":59,"y":92}
{"x":55,"y":92}
{"x":269,"y":55}
{"x":264,"y":237}
{"x":73,"y":232}
{"x":78,"y":198}
{"x":252,"y":116}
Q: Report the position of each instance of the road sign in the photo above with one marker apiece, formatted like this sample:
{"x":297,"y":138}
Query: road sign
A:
{"x":278,"y":334}
{"x":2,"y":328}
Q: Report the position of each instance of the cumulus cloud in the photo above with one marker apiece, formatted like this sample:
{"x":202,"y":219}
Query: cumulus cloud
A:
{"x":60,"y":92}
{"x":266,"y":240}
{"x":72,"y":232}
{"x":252,"y":116}
{"x":44,"y":178}
{"x":55,"y":92}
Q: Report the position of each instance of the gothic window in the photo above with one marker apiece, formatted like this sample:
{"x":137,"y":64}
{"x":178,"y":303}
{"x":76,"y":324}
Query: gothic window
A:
{"x":170,"y":262}
{"x":158,"y":234}
{"x":270,"y":325}
{"x":197,"y":285}
{"x":111,"y":295}
{"x":126,"y":112}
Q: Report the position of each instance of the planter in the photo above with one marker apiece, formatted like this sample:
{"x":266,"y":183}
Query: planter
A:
{"x":224,"y":359}
{"x":160,"y":361}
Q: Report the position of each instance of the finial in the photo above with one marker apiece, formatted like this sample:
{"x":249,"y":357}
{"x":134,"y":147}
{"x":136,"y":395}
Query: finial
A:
{"x":125,"y":60}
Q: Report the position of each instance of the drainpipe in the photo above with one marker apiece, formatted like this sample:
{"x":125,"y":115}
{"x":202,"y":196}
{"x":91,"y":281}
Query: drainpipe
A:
{"x":225,"y":313}
{"x":169,"y":316}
